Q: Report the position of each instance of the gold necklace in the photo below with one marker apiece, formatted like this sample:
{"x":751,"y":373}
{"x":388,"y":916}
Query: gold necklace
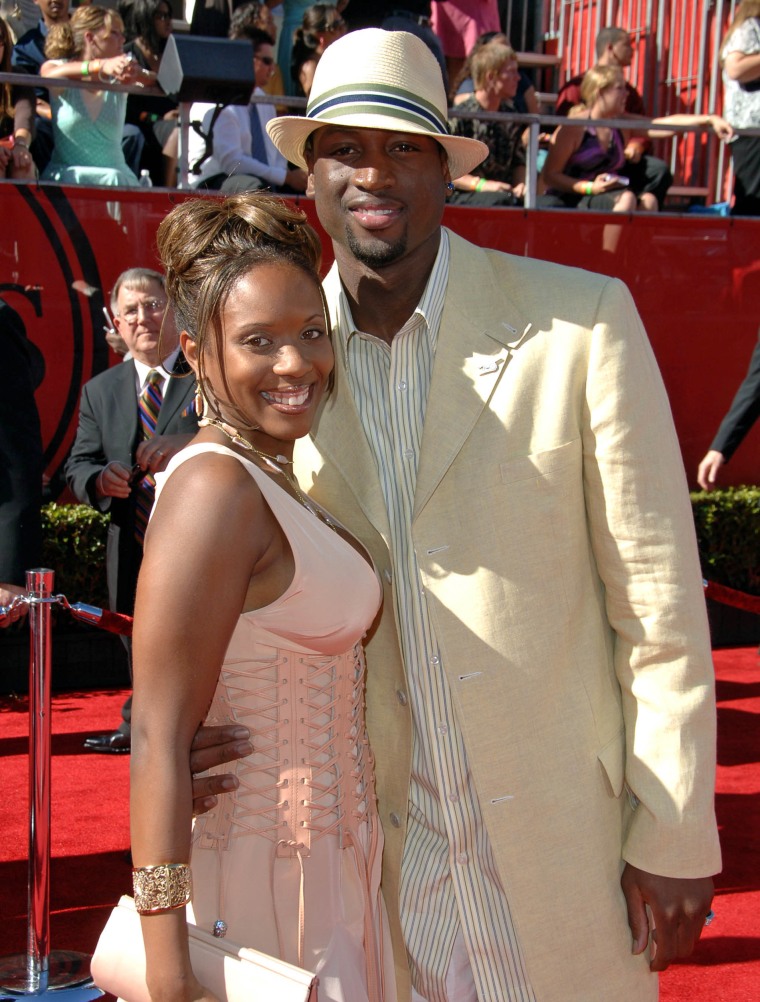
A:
{"x":235,"y":436}
{"x":275,"y":464}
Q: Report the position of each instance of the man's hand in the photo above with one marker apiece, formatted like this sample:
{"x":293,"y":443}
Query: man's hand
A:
{"x":213,"y":746}
{"x":707,"y":473}
{"x":113,"y":481}
{"x":8,"y":593}
{"x":153,"y":454}
{"x":116,"y":342}
{"x":679,"y":907}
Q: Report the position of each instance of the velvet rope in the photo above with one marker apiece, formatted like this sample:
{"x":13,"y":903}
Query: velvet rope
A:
{"x":730,"y":596}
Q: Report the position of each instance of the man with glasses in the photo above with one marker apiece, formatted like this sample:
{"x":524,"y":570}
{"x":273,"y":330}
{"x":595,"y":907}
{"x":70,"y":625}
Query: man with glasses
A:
{"x":132,"y":419}
{"x":231,"y":150}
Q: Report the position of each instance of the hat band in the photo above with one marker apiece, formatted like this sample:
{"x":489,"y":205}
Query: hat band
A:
{"x":383,"y":104}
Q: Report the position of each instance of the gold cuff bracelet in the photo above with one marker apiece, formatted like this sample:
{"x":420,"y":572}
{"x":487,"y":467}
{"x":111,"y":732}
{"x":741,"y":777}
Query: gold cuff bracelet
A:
{"x":161,"y":888}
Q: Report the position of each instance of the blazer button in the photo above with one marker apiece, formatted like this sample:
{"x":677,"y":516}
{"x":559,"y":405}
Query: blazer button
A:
{"x":401,"y":697}
{"x":395,"y":819}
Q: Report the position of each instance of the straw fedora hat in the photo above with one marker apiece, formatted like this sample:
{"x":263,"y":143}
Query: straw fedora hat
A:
{"x":375,"y":79}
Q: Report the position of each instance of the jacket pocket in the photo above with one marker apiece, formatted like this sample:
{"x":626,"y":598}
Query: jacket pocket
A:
{"x":541,"y":464}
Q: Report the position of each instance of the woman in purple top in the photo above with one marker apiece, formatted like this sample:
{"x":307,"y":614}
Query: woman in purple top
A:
{"x":582,"y":165}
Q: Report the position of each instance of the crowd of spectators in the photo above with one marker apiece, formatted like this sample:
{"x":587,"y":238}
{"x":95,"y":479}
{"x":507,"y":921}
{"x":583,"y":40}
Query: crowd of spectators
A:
{"x":480,"y":69}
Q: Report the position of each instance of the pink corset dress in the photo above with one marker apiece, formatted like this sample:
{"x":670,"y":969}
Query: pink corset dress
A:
{"x":290,"y":862}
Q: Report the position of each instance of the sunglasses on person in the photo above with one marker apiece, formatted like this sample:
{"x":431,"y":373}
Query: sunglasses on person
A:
{"x":163,"y":15}
{"x":266,"y":60}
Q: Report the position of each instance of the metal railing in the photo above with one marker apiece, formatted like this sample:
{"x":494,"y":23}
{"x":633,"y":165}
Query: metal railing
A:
{"x":675,"y":65}
{"x":536,"y":124}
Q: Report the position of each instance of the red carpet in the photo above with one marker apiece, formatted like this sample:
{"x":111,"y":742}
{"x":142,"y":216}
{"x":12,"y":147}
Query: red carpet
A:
{"x":725,"y":967}
{"x":90,"y":833}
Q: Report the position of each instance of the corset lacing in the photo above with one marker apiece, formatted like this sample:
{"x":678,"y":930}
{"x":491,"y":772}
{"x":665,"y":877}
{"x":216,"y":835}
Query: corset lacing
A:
{"x":327,"y":755}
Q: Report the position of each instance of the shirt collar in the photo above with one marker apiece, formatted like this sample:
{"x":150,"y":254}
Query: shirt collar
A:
{"x":428,"y":310}
{"x":165,"y":368}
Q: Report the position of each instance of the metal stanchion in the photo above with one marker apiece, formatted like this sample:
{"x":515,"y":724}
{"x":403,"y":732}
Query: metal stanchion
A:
{"x":40,"y":972}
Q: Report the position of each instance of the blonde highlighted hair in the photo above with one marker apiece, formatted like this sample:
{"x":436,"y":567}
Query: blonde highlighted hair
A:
{"x":488,"y":59}
{"x":66,"y":40}
{"x":598,"y":79}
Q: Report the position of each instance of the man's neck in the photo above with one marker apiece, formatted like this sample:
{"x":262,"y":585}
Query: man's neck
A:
{"x":610,"y":59}
{"x":487,"y":100}
{"x":159,"y":359}
{"x":383,"y":299}
{"x":49,"y":24}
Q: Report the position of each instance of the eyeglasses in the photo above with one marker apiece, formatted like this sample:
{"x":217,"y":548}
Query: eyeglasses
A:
{"x":266,"y":60}
{"x":337,"y":25}
{"x":132,"y":313}
{"x":163,"y":15}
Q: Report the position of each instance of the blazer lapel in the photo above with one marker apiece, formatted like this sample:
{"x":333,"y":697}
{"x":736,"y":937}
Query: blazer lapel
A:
{"x":125,"y":404}
{"x":481,"y":328}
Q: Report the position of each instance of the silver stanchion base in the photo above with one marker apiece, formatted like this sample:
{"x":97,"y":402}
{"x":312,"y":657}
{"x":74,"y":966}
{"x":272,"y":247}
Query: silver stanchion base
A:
{"x":68,"y":975}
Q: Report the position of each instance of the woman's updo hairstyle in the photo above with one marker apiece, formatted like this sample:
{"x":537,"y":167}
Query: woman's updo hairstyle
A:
{"x":206,"y":246}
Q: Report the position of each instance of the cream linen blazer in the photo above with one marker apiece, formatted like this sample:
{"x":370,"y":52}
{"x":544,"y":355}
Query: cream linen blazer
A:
{"x":556,"y":547}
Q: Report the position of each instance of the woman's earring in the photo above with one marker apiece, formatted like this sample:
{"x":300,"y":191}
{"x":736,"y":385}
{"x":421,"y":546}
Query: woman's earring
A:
{"x":199,"y":403}
{"x":450,"y":185}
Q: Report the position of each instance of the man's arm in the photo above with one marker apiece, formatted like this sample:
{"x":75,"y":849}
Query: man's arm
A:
{"x":232,"y":157}
{"x":88,"y":460}
{"x":643,"y":540}
{"x":743,"y":412}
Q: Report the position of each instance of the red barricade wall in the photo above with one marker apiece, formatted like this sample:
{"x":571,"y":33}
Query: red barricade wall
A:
{"x":695,"y":280}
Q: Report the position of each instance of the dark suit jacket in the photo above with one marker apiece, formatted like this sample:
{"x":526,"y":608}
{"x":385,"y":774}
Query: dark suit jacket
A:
{"x":108,"y":431}
{"x":20,"y":451}
{"x":743,"y":411}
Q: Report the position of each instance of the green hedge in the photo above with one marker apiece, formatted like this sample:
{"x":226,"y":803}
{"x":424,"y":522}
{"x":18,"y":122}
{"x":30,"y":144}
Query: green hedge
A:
{"x":727,"y":524}
{"x":74,"y":546}
{"x":728,"y":535}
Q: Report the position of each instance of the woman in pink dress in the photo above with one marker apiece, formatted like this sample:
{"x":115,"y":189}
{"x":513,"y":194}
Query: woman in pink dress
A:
{"x":251,"y":606}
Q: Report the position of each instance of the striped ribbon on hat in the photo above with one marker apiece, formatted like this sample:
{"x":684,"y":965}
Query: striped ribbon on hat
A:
{"x":148,"y":407}
{"x":381,"y":100}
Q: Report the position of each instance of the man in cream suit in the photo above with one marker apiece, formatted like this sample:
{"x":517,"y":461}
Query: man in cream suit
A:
{"x":540,"y":690}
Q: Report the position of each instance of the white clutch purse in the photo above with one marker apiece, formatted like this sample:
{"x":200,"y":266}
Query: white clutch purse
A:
{"x":233,"y":973}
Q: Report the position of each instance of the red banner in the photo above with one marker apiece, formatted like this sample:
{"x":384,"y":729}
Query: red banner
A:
{"x":695,"y":280}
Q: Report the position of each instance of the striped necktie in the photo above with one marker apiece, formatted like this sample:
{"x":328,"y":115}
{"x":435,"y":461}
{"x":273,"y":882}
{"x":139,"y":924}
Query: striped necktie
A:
{"x":258,"y":143}
{"x":148,"y":406}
